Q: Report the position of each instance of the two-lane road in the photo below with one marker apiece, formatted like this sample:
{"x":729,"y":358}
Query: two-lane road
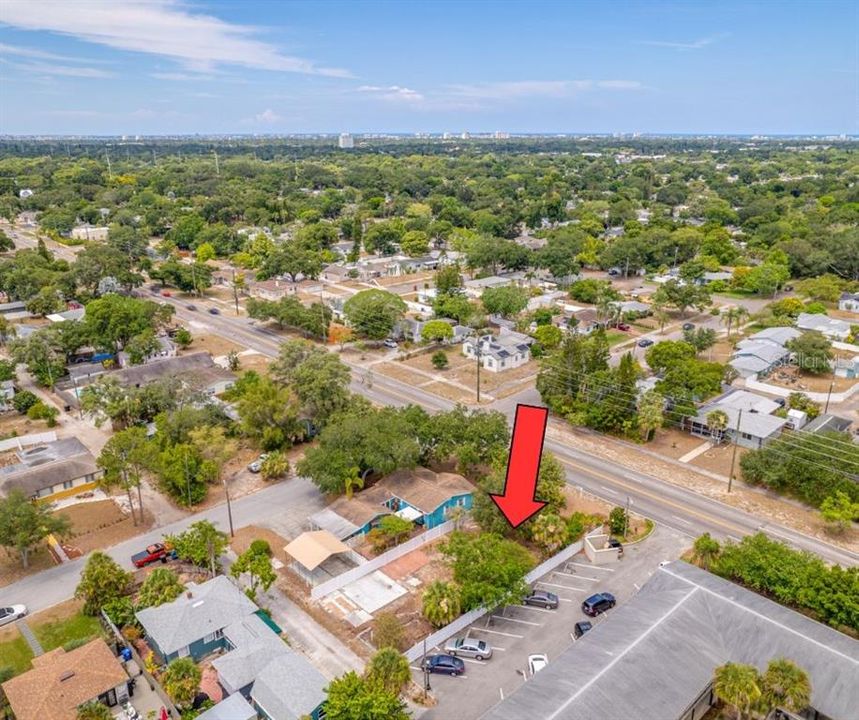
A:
{"x":671,"y":505}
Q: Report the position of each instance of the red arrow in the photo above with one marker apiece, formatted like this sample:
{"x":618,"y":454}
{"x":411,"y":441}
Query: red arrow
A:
{"x":518,"y":502}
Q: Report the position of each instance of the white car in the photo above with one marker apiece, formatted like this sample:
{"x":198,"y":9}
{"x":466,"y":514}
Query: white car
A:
{"x":537,"y":663}
{"x":256,"y":465}
{"x":12,"y":613}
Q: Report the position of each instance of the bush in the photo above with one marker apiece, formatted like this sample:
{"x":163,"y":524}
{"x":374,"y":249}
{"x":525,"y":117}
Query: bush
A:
{"x":23,"y":401}
{"x":77,"y":642}
{"x":439,"y":360}
{"x":261,"y":547}
{"x":40,"y":411}
{"x":617,"y":521}
{"x":388,"y":631}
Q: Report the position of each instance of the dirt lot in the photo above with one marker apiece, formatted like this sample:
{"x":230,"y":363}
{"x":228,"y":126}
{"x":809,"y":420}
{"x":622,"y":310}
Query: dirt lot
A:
{"x":673,"y":443}
{"x":718,"y":459}
{"x":100,"y":524}
{"x":213,"y":344}
{"x":793,"y":378}
{"x":10,"y":565}
{"x":246,"y":535}
{"x":12,"y":424}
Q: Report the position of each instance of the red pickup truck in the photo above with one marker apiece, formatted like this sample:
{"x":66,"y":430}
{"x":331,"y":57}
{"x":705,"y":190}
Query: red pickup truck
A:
{"x":157,"y":552}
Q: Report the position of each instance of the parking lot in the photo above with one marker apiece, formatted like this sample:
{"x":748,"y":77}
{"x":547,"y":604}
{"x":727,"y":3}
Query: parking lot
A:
{"x":519,"y":631}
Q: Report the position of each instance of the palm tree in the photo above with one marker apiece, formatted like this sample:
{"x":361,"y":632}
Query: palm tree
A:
{"x":737,"y":685}
{"x":705,"y":550}
{"x":389,"y":669}
{"x":441,"y":603}
{"x":94,"y":710}
{"x":274,"y":466}
{"x":660,"y":314}
{"x":354,"y":479}
{"x":181,"y":680}
{"x":549,"y":532}
{"x":729,"y":316}
{"x":786,"y":685}
{"x":651,"y":416}
{"x":717,"y":421}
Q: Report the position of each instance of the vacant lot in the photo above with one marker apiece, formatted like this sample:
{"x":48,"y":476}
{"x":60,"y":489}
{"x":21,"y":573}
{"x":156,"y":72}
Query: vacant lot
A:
{"x":100,"y":524}
{"x":793,"y":378}
{"x":11,"y":569}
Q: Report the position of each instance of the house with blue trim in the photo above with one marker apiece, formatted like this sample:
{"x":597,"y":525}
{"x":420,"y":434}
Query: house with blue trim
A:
{"x":255,"y":666}
{"x":420,"y":495}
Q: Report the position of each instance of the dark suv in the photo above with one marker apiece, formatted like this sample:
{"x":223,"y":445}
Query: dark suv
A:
{"x":598,"y":604}
{"x":445,"y":664}
{"x":542,"y":599}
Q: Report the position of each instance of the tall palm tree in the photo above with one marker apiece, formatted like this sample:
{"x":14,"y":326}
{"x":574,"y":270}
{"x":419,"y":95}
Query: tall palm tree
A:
{"x":441,"y":603}
{"x":785,"y":685}
{"x":729,"y":317}
{"x":742,"y":315}
{"x":354,"y":479}
{"x":737,"y":685}
{"x":717,"y":421}
{"x":705,"y":550}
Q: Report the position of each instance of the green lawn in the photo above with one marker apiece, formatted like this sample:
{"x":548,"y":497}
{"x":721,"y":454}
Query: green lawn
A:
{"x":16,"y":653}
{"x":616,"y":337}
{"x":56,"y":634}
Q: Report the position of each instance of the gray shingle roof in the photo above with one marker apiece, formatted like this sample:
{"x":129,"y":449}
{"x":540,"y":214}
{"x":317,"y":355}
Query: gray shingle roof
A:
{"x":653,"y":656}
{"x":289,"y":687}
{"x":235,"y":707}
{"x":255,"y":646}
{"x":48,"y":464}
{"x":212,"y":606}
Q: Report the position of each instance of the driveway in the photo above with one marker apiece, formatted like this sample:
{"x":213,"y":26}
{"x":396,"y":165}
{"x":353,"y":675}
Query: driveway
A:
{"x":519,"y":631}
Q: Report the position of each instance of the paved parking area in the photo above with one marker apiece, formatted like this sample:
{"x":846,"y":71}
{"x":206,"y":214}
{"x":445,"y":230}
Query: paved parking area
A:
{"x":519,"y":631}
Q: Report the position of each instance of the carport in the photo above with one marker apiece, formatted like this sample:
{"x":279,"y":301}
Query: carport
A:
{"x":315,"y":554}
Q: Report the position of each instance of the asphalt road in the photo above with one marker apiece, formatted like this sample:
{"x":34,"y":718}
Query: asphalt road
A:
{"x":671,"y":505}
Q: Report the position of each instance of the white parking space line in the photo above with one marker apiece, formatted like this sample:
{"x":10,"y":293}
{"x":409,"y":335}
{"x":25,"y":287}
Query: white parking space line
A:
{"x":498,"y":632}
{"x":534,"y":609}
{"x":591,"y":567}
{"x":564,"y":599}
{"x":575,"y":576}
{"x":523,"y":622}
{"x":473,"y":662}
{"x":566,"y":587}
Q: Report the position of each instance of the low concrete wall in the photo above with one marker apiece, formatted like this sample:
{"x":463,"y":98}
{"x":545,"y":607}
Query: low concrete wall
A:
{"x":596,"y":551}
{"x":752,"y":383}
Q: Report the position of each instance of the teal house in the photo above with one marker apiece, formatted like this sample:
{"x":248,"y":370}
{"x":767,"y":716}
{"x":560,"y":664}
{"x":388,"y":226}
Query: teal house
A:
{"x":425,"y":497}
{"x":255,"y":666}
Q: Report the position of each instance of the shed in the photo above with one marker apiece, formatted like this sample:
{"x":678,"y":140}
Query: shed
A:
{"x":311,"y":549}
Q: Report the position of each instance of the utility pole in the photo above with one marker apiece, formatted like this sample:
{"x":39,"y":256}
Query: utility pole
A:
{"x":734,"y":454}
{"x":229,"y":508}
{"x":829,"y":395}
{"x":478,"y":355}
{"x":626,"y":519}
{"x":235,"y":292}
{"x":427,"y":687}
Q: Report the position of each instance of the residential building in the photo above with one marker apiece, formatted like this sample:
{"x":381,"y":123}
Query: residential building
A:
{"x":849,"y":302}
{"x":197,"y":370}
{"x":832,"y":328}
{"x":420,"y":495}
{"x":51,"y":471}
{"x":757,"y":424}
{"x":761,"y":353}
{"x":253,"y":661}
{"x":828,"y":423}
{"x":193,"y":624}
{"x":346,"y":141}
{"x":474,"y":288}
{"x":233,"y":707}
{"x":77,"y":313}
{"x":166,"y":349}
{"x":89,"y":232}
{"x":633,"y":307}
{"x":655,"y":656}
{"x":507,"y":350}
{"x":60,"y":682}
{"x":7,"y":394}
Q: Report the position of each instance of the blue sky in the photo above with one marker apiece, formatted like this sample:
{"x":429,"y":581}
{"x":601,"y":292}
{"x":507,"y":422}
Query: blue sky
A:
{"x":246,"y":66}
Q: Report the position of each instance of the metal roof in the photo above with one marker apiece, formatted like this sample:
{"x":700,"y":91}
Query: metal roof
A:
{"x":651,"y":657}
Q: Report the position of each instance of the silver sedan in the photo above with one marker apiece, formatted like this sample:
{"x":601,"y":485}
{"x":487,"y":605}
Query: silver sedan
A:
{"x":12,"y":613}
{"x":469,"y":647}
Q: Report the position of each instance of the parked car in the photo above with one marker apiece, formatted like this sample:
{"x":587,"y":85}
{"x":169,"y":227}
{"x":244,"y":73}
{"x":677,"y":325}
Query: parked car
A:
{"x":688,"y":326}
{"x":214,"y":311}
{"x":191,"y":307}
{"x":469,"y":647}
{"x":157,"y":552}
{"x":580,"y":628}
{"x":390,"y":343}
{"x":256,"y":465}
{"x":12,"y":613}
{"x":645,"y":342}
{"x":613,"y":271}
{"x":543,"y":599}
{"x":623,"y":326}
{"x":444,"y":664}
{"x":614,"y":543}
{"x":537,"y":663}
{"x":166,"y":293}
{"x":598,"y":604}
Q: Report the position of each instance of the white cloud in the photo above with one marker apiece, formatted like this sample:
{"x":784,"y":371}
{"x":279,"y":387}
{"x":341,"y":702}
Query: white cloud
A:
{"x":181,"y":77}
{"x":267,"y":116}
{"x":167,"y":28}
{"x":394,"y":93}
{"x":33,"y":53}
{"x":538,"y":88}
{"x":620,"y":84}
{"x":44,"y":68}
{"x":699,"y":44}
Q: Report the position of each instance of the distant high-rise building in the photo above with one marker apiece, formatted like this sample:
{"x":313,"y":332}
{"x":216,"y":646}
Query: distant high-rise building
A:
{"x":346,"y":141}
{"x":465,"y":135}
{"x":499,"y":135}
{"x":446,"y":136}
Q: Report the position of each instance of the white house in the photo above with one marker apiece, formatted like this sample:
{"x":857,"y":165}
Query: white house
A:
{"x":849,"y":302}
{"x":508,"y":350}
{"x":89,"y":232}
{"x":832,"y":328}
{"x":474,"y":288}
